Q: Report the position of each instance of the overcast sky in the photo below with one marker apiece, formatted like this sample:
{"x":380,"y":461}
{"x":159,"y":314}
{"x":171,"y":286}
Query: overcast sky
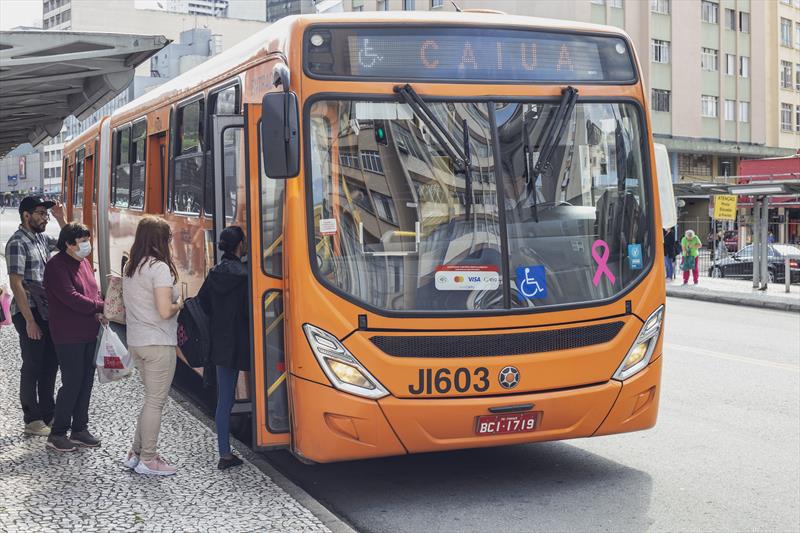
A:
{"x":20,"y":13}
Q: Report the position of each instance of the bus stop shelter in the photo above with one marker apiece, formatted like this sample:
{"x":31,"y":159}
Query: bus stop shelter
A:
{"x":760,"y":192}
{"x":46,"y":76}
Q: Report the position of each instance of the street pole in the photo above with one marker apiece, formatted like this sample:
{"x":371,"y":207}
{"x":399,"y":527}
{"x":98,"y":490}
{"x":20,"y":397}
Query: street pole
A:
{"x":756,"y":241}
{"x":764,"y":242}
{"x":787,"y":273}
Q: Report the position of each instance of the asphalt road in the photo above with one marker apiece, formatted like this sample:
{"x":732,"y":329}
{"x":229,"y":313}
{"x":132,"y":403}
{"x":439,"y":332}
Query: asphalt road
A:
{"x":724,"y":456}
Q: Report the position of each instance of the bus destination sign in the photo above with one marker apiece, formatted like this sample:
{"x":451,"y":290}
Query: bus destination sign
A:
{"x":463,"y":54}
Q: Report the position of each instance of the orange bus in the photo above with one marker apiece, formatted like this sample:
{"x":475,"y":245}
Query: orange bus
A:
{"x":453,"y":223}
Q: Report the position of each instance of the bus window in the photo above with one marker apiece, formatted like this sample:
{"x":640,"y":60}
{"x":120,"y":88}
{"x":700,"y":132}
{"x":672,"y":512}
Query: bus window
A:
{"x":96,"y":176}
{"x":272,"y":192}
{"x":138,"y":140}
{"x":77,"y":184}
{"x":121,"y":180}
{"x":187,"y":188}
{"x":224,"y":102}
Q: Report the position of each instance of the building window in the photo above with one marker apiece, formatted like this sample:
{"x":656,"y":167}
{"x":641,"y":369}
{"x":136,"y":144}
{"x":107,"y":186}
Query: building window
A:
{"x":786,"y":75}
{"x":730,"y":110}
{"x":383,"y":5}
{"x":797,"y":118}
{"x":786,"y":117}
{"x":408,"y":5}
{"x":694,"y":164}
{"x":599,"y":2}
{"x":744,"y":66}
{"x":730,"y":19}
{"x":660,"y":100}
{"x":730,"y":64}
{"x":615,"y":3}
{"x":709,"y":59}
{"x":797,"y":34}
{"x":786,"y":32}
{"x":371,"y":160}
{"x":659,"y":51}
{"x":437,"y":4}
{"x":709,"y":106}
{"x":797,"y":76}
{"x":660,"y":6}
{"x":744,"y":111}
{"x":709,"y":12}
{"x":744,"y":22}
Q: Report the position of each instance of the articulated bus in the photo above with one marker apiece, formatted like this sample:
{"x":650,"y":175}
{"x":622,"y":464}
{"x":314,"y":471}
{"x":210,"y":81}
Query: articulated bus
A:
{"x":453,"y":224}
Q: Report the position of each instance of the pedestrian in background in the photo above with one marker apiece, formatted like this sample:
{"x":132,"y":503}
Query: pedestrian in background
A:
{"x":690,"y":248}
{"x":224,"y":298}
{"x":75,"y":307}
{"x":669,"y":252}
{"x":27,"y":252}
{"x":152,"y":303}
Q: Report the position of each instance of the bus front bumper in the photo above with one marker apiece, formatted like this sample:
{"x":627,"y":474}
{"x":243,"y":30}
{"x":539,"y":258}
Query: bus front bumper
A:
{"x":336,"y":426}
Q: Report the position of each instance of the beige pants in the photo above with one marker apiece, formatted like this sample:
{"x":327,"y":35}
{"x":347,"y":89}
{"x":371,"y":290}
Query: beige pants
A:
{"x":156,"y":366}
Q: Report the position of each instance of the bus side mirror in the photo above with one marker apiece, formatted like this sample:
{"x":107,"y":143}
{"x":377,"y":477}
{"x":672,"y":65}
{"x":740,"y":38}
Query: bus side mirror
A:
{"x":669,"y":215}
{"x":280,"y":141}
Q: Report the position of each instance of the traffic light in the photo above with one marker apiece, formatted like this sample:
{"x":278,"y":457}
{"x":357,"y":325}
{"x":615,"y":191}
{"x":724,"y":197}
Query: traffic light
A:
{"x":380,"y":134}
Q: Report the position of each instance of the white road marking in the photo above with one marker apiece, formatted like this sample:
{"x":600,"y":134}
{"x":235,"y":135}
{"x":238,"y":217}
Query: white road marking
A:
{"x":730,"y":357}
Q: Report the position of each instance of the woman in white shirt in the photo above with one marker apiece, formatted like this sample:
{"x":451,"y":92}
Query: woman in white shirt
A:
{"x":152,"y":302}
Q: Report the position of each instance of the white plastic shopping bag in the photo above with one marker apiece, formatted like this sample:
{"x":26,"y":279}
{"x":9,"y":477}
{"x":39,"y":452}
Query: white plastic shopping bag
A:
{"x":113,"y":360}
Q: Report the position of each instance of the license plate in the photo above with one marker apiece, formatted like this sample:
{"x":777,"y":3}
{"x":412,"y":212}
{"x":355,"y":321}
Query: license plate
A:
{"x":507,"y":423}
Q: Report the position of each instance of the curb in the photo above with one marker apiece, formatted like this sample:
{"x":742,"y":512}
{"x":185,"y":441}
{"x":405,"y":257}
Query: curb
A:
{"x":328,"y":519}
{"x":733,"y":300}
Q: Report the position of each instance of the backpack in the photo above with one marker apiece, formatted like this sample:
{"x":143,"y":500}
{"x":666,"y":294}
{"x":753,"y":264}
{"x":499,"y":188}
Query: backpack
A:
{"x":194,"y":336}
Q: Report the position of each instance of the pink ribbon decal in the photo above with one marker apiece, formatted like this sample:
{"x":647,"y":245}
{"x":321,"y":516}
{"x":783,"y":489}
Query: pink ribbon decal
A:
{"x":602,"y":262}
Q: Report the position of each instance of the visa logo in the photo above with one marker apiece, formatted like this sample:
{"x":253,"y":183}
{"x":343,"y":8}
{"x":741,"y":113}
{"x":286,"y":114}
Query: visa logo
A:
{"x":474,"y":278}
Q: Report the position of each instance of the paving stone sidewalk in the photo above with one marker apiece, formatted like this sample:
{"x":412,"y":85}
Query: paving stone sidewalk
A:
{"x":90,"y":490}
{"x":738,"y":292}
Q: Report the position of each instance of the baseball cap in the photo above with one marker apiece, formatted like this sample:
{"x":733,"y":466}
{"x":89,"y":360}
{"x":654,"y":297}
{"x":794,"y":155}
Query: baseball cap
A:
{"x":29,"y":203}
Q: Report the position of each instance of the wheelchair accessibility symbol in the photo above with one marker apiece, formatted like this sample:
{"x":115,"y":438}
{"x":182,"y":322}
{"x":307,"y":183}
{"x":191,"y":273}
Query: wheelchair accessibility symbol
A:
{"x":531,"y":281}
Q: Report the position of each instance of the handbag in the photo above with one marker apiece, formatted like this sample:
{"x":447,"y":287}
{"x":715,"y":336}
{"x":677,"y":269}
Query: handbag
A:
{"x":5,"y":307}
{"x":113,"y":306}
{"x":194,"y":334}
{"x":688,"y":262}
{"x":112,"y":359}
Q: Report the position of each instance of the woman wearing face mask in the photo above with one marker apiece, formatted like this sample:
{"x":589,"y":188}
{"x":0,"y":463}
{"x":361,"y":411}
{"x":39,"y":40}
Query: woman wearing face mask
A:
{"x":75,"y":308}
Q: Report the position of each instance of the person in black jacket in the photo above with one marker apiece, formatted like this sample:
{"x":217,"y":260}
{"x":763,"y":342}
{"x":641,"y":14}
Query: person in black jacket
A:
{"x":224,"y":298}
{"x":670,"y":252}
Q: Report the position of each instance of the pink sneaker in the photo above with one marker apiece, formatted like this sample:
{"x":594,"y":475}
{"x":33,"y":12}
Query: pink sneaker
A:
{"x":131,"y":460}
{"x":155,"y":467}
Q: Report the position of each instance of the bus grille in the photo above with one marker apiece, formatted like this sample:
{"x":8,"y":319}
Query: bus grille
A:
{"x":497,"y":345}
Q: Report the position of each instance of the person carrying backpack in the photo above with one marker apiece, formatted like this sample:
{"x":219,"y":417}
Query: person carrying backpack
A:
{"x":224,"y":298}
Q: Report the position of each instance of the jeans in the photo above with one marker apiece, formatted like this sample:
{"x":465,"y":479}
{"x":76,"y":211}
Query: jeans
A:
{"x":226,"y":395}
{"x":77,"y":377}
{"x":37,"y":382}
{"x":669,"y":264}
{"x":156,"y":366}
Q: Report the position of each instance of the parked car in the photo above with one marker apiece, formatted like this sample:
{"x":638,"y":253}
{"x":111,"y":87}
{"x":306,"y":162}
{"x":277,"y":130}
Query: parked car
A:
{"x":740,"y":264}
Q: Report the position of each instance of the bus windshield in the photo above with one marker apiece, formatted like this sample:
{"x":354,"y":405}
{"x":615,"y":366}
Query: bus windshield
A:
{"x":400,"y":224}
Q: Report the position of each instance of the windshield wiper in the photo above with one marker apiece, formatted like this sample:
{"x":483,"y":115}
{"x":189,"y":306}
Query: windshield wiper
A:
{"x":460,"y":154}
{"x":552,"y":136}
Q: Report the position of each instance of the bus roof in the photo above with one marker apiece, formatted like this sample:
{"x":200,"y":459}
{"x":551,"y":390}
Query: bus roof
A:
{"x":275,"y":39}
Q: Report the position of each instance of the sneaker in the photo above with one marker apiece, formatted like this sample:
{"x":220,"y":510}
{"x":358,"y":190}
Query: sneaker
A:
{"x":84,"y":438}
{"x":685,"y":282}
{"x":155,"y":467}
{"x":229,"y":462}
{"x":38,"y":428}
{"x":60,"y":443}
{"x":131,"y":460}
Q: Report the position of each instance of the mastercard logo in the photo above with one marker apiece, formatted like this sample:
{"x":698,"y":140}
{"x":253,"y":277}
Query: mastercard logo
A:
{"x":458,"y":279}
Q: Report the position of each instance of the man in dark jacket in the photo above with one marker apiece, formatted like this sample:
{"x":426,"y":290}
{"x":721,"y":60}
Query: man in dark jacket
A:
{"x":224,"y":298}
{"x":670,"y":252}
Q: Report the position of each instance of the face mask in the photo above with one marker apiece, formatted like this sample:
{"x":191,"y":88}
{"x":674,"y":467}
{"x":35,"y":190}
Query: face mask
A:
{"x":84,"y":249}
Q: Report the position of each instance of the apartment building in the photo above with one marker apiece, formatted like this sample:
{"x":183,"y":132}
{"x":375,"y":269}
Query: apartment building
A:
{"x":703,"y":64}
{"x":783,"y":73}
{"x":208,"y":17}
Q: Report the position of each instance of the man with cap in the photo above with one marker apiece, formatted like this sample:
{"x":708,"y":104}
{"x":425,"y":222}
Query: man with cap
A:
{"x":27,"y":252}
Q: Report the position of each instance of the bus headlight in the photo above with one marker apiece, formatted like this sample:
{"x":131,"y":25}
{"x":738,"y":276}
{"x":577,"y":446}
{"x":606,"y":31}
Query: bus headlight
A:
{"x":343,"y":370}
{"x":641,"y":352}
